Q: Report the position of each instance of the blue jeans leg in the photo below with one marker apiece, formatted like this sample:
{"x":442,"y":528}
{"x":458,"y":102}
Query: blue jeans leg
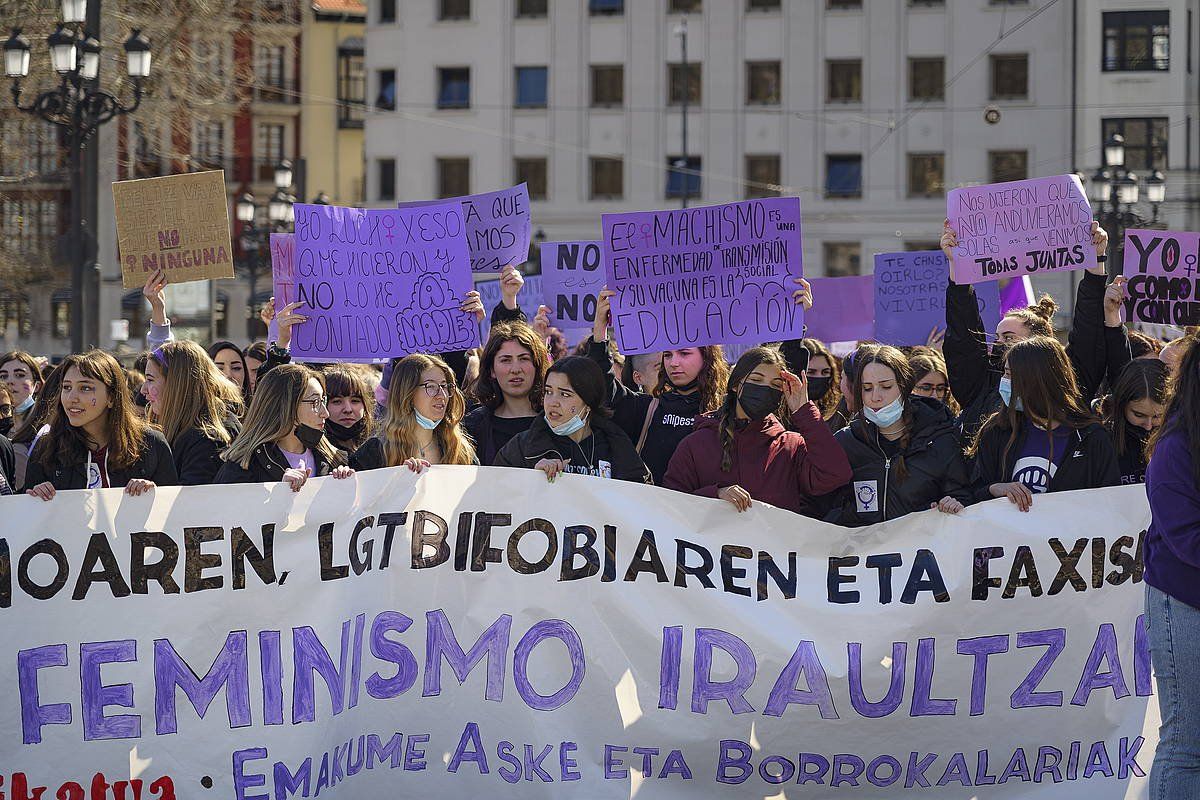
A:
{"x":1174,"y":628}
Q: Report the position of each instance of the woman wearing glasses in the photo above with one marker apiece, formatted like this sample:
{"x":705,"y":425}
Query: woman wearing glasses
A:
{"x":424,"y":409}
{"x":930,"y":379}
{"x":283,"y":436}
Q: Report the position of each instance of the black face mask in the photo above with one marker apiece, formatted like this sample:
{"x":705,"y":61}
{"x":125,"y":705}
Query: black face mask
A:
{"x":758,"y":401}
{"x":686,"y":387}
{"x":6,"y":425}
{"x":343,"y":433}
{"x":1136,"y":437}
{"x":818,"y":388}
{"x":309,"y":437}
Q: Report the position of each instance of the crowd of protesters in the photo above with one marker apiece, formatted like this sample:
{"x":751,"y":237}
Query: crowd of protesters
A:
{"x":877,"y":434}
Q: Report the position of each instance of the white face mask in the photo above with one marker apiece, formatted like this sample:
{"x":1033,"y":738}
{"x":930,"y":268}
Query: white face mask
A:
{"x":573,"y":425}
{"x":425,"y":422}
{"x":888,"y":415}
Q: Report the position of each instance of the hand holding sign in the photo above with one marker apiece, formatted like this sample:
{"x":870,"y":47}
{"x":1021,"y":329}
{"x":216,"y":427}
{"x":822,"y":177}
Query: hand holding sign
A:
{"x":285,"y":320}
{"x":154,"y":294}
{"x":511,"y":281}
{"x":1114,"y":299}
{"x":603,"y":314}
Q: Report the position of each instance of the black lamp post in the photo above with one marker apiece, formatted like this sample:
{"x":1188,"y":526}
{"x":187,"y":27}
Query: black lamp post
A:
{"x":80,"y":106}
{"x":1115,"y":191}
{"x":256,"y":238}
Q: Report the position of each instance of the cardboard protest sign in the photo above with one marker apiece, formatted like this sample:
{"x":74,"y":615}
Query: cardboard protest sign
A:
{"x":380,"y":283}
{"x":1006,"y":230}
{"x":572,"y":276}
{"x":1164,"y":281}
{"x":178,"y":223}
{"x":841,"y":309}
{"x":404,"y":636}
{"x":706,"y":275}
{"x":910,"y":297}
{"x":497,"y":226}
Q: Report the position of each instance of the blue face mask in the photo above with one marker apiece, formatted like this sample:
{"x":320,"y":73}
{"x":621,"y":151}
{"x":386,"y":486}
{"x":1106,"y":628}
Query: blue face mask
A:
{"x":1005,"y":390}
{"x":573,"y":425}
{"x":888,"y":415}
{"x":425,"y":422}
{"x":24,"y":405}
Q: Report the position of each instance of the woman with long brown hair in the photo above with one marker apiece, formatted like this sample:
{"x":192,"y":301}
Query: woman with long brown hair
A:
{"x":422,"y":423}
{"x":1044,"y":438}
{"x":1172,"y":558}
{"x":512,"y":377}
{"x":1135,"y":409}
{"x":351,"y":406}
{"x":283,"y":436}
{"x":742,"y":452}
{"x":96,"y":438}
{"x":194,"y":406}
{"x":824,"y":373}
{"x":26,"y":433}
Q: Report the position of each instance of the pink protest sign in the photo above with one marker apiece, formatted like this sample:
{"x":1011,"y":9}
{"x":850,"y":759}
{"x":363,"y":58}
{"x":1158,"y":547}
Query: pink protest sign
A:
{"x":571,"y":279}
{"x":910,"y":297}
{"x":842,"y":309}
{"x":380,"y":283}
{"x":1006,"y":230}
{"x":707,"y":275}
{"x":497,"y":226}
{"x":1161,"y":267}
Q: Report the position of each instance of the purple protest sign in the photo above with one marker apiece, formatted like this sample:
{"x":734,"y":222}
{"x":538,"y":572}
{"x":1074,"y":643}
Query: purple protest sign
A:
{"x":841,"y":309}
{"x":707,"y":275}
{"x":380,"y":283}
{"x":571,"y":278}
{"x":910,"y":297}
{"x":1010,"y":229}
{"x":497,"y":226}
{"x":1164,"y":283}
{"x":283,"y":278}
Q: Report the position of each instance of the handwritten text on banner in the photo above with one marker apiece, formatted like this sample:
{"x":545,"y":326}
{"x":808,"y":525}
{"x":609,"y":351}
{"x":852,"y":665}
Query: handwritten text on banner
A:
{"x":1164,"y":278}
{"x":497,"y":226}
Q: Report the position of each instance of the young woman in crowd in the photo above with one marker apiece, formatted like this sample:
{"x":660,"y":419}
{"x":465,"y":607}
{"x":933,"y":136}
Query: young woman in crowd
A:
{"x":283,"y":436}
{"x":8,"y":459}
{"x":351,"y":407}
{"x":19,"y":371}
{"x":135,"y":379}
{"x":422,"y":423}
{"x":1044,"y":438}
{"x":975,"y":368}
{"x":903,"y":448}
{"x":1172,"y":561}
{"x":574,"y":433}
{"x":232,"y":364}
{"x":931,"y":377}
{"x":196,"y":409}
{"x":36,"y":422}
{"x":641,"y":372}
{"x":255,"y":355}
{"x":824,"y":373}
{"x":96,"y":439}
{"x":743,"y":453}
{"x":1134,"y":411}
{"x":512,"y":376}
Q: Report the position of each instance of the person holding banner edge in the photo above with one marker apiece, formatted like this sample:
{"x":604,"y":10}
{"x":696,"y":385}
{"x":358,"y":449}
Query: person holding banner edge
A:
{"x":975,"y":368}
{"x":742,"y":452}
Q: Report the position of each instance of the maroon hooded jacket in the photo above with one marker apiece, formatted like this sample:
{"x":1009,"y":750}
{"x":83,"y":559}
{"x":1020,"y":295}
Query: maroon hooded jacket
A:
{"x":775,"y":465}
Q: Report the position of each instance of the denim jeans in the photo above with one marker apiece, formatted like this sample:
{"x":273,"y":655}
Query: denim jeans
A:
{"x":1174,"y":628}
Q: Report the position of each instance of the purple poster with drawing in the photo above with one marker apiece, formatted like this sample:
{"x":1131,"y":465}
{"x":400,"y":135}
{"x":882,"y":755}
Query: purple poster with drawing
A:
{"x":380,"y":283}
{"x":708,"y":275}
{"x":497,"y":226}
{"x":1006,"y":230}
{"x":1163,"y":275}
{"x":572,"y":276}
{"x":841,"y":309}
{"x":910,"y":297}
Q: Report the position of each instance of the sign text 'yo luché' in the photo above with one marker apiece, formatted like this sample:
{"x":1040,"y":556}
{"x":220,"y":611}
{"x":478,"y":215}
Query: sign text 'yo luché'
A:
{"x":708,"y":275}
{"x":1006,"y":230}
{"x":380,"y":283}
{"x":1164,"y":279}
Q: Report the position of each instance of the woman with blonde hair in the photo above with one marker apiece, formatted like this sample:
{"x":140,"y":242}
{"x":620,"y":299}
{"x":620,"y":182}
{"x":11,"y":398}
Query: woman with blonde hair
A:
{"x":194,"y":406}
{"x":422,"y":421}
{"x":283,"y":435}
{"x":96,"y":440}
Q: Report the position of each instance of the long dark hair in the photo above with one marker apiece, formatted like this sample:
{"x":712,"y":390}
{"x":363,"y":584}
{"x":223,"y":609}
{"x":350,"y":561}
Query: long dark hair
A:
{"x":217,"y":347}
{"x":486,"y":391}
{"x":713,"y":378}
{"x":39,"y":415}
{"x":750,"y":360}
{"x":1183,"y":412}
{"x":1044,"y":382}
{"x":893,"y":359}
{"x":1142,"y":379}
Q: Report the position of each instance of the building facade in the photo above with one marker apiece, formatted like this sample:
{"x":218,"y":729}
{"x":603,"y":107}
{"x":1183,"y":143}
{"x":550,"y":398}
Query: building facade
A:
{"x":868,"y":111}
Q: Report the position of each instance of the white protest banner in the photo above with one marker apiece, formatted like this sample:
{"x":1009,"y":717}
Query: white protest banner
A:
{"x":478,"y":632}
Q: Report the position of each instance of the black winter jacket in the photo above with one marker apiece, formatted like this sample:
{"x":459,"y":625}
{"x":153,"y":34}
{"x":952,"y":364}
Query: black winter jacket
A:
{"x":478,"y":423}
{"x":1089,"y":463}
{"x":8,"y":463}
{"x":267,"y":465}
{"x":197,"y":457}
{"x":975,"y":373}
{"x":154,"y":464}
{"x":539,"y":442}
{"x":933,"y":468}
